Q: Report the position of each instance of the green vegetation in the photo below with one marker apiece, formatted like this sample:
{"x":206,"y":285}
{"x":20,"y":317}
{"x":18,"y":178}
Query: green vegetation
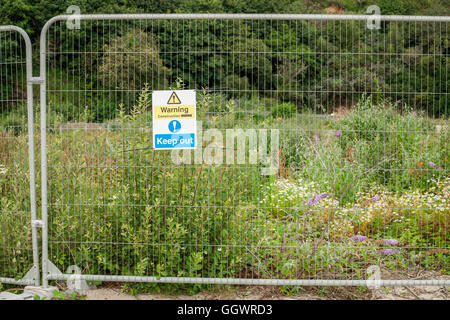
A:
{"x":284,"y":110}
{"x":118,"y":207}
{"x":377,"y":168}
{"x":316,"y":66}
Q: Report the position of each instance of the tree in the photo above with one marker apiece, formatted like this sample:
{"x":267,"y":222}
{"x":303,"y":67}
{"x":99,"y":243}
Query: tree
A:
{"x":132,"y":60}
{"x":249,"y":57}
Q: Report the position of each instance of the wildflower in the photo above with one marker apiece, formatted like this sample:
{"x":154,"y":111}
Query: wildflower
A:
{"x":375,"y":198}
{"x":316,"y":138}
{"x":360,"y":238}
{"x":3,"y":170}
{"x":388,"y":252}
{"x":391,"y":242}
{"x":434,"y":166}
{"x":317,"y":198}
{"x":420,"y":164}
{"x":338,"y":133}
{"x":411,"y":171}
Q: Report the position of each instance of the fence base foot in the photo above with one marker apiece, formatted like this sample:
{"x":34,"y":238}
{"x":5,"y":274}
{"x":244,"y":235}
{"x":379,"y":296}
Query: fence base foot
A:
{"x":32,"y":275}
{"x":74,"y":283}
{"x":42,"y":292}
{"x":12,"y":296}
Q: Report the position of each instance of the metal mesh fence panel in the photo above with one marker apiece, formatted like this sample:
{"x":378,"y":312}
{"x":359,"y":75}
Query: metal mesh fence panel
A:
{"x":357,"y":115}
{"x":17,"y":202}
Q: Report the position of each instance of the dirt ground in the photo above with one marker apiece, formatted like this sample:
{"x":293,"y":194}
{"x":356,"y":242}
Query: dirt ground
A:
{"x":115,"y":292}
{"x":263,"y":293}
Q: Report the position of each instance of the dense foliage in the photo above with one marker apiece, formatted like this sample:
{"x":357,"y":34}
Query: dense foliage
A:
{"x":374,"y":171}
{"x":314,"y":65}
{"x":116,"y":206}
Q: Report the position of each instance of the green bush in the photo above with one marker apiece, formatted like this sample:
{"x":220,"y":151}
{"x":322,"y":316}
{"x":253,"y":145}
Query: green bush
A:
{"x":397,"y":147}
{"x":269,"y":103}
{"x":259,"y":116}
{"x":235,"y":85}
{"x":284,"y":110}
{"x":15,"y":122}
{"x":123,"y":69}
{"x":67,"y":110}
{"x":218,"y":104}
{"x":103,"y":111}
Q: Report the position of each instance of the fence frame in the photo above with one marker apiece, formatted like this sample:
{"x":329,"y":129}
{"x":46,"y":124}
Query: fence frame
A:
{"x":50,"y":272}
{"x":33,"y":276}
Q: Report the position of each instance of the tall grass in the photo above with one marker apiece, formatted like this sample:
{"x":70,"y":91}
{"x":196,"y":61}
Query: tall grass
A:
{"x":116,"y":206}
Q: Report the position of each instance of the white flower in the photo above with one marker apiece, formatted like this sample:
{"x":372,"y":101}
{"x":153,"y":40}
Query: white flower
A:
{"x":3,"y":169}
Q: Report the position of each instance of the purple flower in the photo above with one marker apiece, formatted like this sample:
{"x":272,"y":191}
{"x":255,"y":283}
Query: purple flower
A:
{"x":359,"y":238}
{"x":338,"y":133}
{"x":388,"y":252}
{"x":375,"y":198}
{"x":391,"y":242}
{"x":317,"y":198}
{"x":434,"y":166}
{"x":316,"y":138}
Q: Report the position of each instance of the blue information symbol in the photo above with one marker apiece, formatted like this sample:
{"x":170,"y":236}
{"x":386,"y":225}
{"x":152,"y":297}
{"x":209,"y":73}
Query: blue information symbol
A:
{"x":174,"y":126}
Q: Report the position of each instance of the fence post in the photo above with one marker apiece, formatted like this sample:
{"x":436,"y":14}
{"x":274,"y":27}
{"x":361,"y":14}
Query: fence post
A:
{"x":43,"y":114}
{"x":30,"y":123}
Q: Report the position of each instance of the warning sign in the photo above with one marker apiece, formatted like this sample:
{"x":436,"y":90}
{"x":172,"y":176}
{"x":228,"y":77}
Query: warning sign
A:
{"x":174,"y":119}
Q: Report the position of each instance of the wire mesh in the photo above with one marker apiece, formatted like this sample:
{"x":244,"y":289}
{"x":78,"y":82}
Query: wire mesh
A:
{"x":16,"y":251}
{"x":117,"y":207}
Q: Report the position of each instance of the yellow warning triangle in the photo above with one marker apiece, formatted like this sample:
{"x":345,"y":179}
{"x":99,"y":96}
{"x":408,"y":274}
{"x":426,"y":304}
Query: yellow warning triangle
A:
{"x":174,"y":99}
